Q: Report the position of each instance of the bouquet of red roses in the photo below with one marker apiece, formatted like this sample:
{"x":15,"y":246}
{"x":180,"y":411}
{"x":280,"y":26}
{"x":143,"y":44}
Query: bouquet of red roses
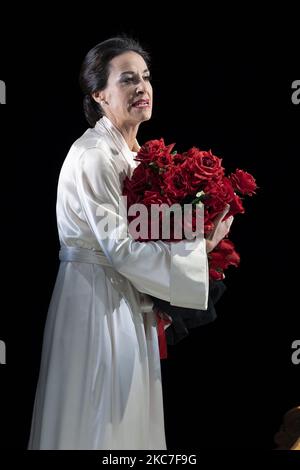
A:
{"x":195,"y":178}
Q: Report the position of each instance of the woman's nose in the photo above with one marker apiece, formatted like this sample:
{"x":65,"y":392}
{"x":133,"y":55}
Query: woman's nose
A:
{"x":140,"y":90}
{"x":141,"y":87}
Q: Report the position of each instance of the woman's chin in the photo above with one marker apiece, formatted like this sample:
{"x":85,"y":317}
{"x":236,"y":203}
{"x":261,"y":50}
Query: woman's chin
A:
{"x":142,"y":114}
{"x":147,"y":117}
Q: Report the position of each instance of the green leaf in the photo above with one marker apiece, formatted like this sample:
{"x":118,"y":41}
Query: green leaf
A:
{"x":200,"y":198}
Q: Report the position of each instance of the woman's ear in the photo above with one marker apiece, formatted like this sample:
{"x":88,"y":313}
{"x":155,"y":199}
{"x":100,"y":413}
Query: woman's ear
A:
{"x":97,"y":96}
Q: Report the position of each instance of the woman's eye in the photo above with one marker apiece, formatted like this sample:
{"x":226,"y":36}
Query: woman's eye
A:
{"x":132,"y":79}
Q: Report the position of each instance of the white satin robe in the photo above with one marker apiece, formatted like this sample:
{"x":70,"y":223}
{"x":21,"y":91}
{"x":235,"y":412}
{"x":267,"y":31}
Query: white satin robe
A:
{"x":99,"y":385}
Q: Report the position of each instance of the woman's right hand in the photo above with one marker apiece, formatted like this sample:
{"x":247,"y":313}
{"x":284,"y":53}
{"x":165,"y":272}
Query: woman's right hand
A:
{"x":219,"y":231}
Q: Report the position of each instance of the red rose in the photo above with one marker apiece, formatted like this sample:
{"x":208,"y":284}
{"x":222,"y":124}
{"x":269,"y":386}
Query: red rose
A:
{"x":217,"y":259}
{"x":243,"y":182}
{"x":132,"y":195}
{"x":203,"y":165}
{"x":223,"y":256}
{"x":236,"y":206}
{"x":177,"y":183}
{"x":155,"y":151}
{"x":178,"y":159}
{"x":221,"y":190}
{"x":217,"y":195}
{"x":216,"y":274}
{"x":142,"y":179}
{"x":149,"y":149}
{"x":154,"y":197}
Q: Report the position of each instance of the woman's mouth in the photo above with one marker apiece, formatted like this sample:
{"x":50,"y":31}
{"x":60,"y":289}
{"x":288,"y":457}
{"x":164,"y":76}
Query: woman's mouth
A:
{"x":141,"y":104}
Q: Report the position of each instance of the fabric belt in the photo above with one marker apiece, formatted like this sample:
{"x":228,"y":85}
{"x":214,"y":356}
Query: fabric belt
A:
{"x":83,"y":255}
{"x":86,"y":255}
{"x":143,"y":301}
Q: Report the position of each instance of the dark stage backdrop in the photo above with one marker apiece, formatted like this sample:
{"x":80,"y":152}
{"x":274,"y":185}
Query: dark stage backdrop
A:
{"x":229,"y":383}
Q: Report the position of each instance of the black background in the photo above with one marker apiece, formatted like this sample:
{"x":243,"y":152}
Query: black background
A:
{"x":226,"y":88}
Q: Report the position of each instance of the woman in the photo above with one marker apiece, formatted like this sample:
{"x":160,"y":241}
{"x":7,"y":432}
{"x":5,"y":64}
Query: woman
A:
{"x":100,"y":379}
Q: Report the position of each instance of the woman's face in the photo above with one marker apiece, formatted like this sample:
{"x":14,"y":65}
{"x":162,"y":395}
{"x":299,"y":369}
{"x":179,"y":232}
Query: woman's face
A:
{"x":127,"y":98}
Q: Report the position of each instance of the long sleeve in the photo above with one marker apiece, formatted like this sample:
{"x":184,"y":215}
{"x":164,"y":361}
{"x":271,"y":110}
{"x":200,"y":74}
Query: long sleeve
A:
{"x":176,"y":272}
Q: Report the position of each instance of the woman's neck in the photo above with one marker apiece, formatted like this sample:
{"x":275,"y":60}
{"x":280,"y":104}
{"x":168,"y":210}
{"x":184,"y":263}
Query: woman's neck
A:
{"x":129,"y":132}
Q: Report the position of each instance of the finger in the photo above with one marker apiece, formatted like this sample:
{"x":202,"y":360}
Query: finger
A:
{"x":217,"y":221}
{"x":225,"y":211}
{"x":230,"y":220}
{"x":228,"y":223}
{"x":222,"y":214}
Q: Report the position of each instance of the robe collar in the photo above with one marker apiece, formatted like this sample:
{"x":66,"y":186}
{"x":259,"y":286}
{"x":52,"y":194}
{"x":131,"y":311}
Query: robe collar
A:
{"x":108,"y":127}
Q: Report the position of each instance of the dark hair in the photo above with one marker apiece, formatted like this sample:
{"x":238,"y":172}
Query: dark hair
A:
{"x":95,"y":71}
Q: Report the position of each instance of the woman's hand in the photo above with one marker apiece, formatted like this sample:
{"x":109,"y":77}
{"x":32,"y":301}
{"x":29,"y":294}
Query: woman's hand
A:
{"x":220,"y":230}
